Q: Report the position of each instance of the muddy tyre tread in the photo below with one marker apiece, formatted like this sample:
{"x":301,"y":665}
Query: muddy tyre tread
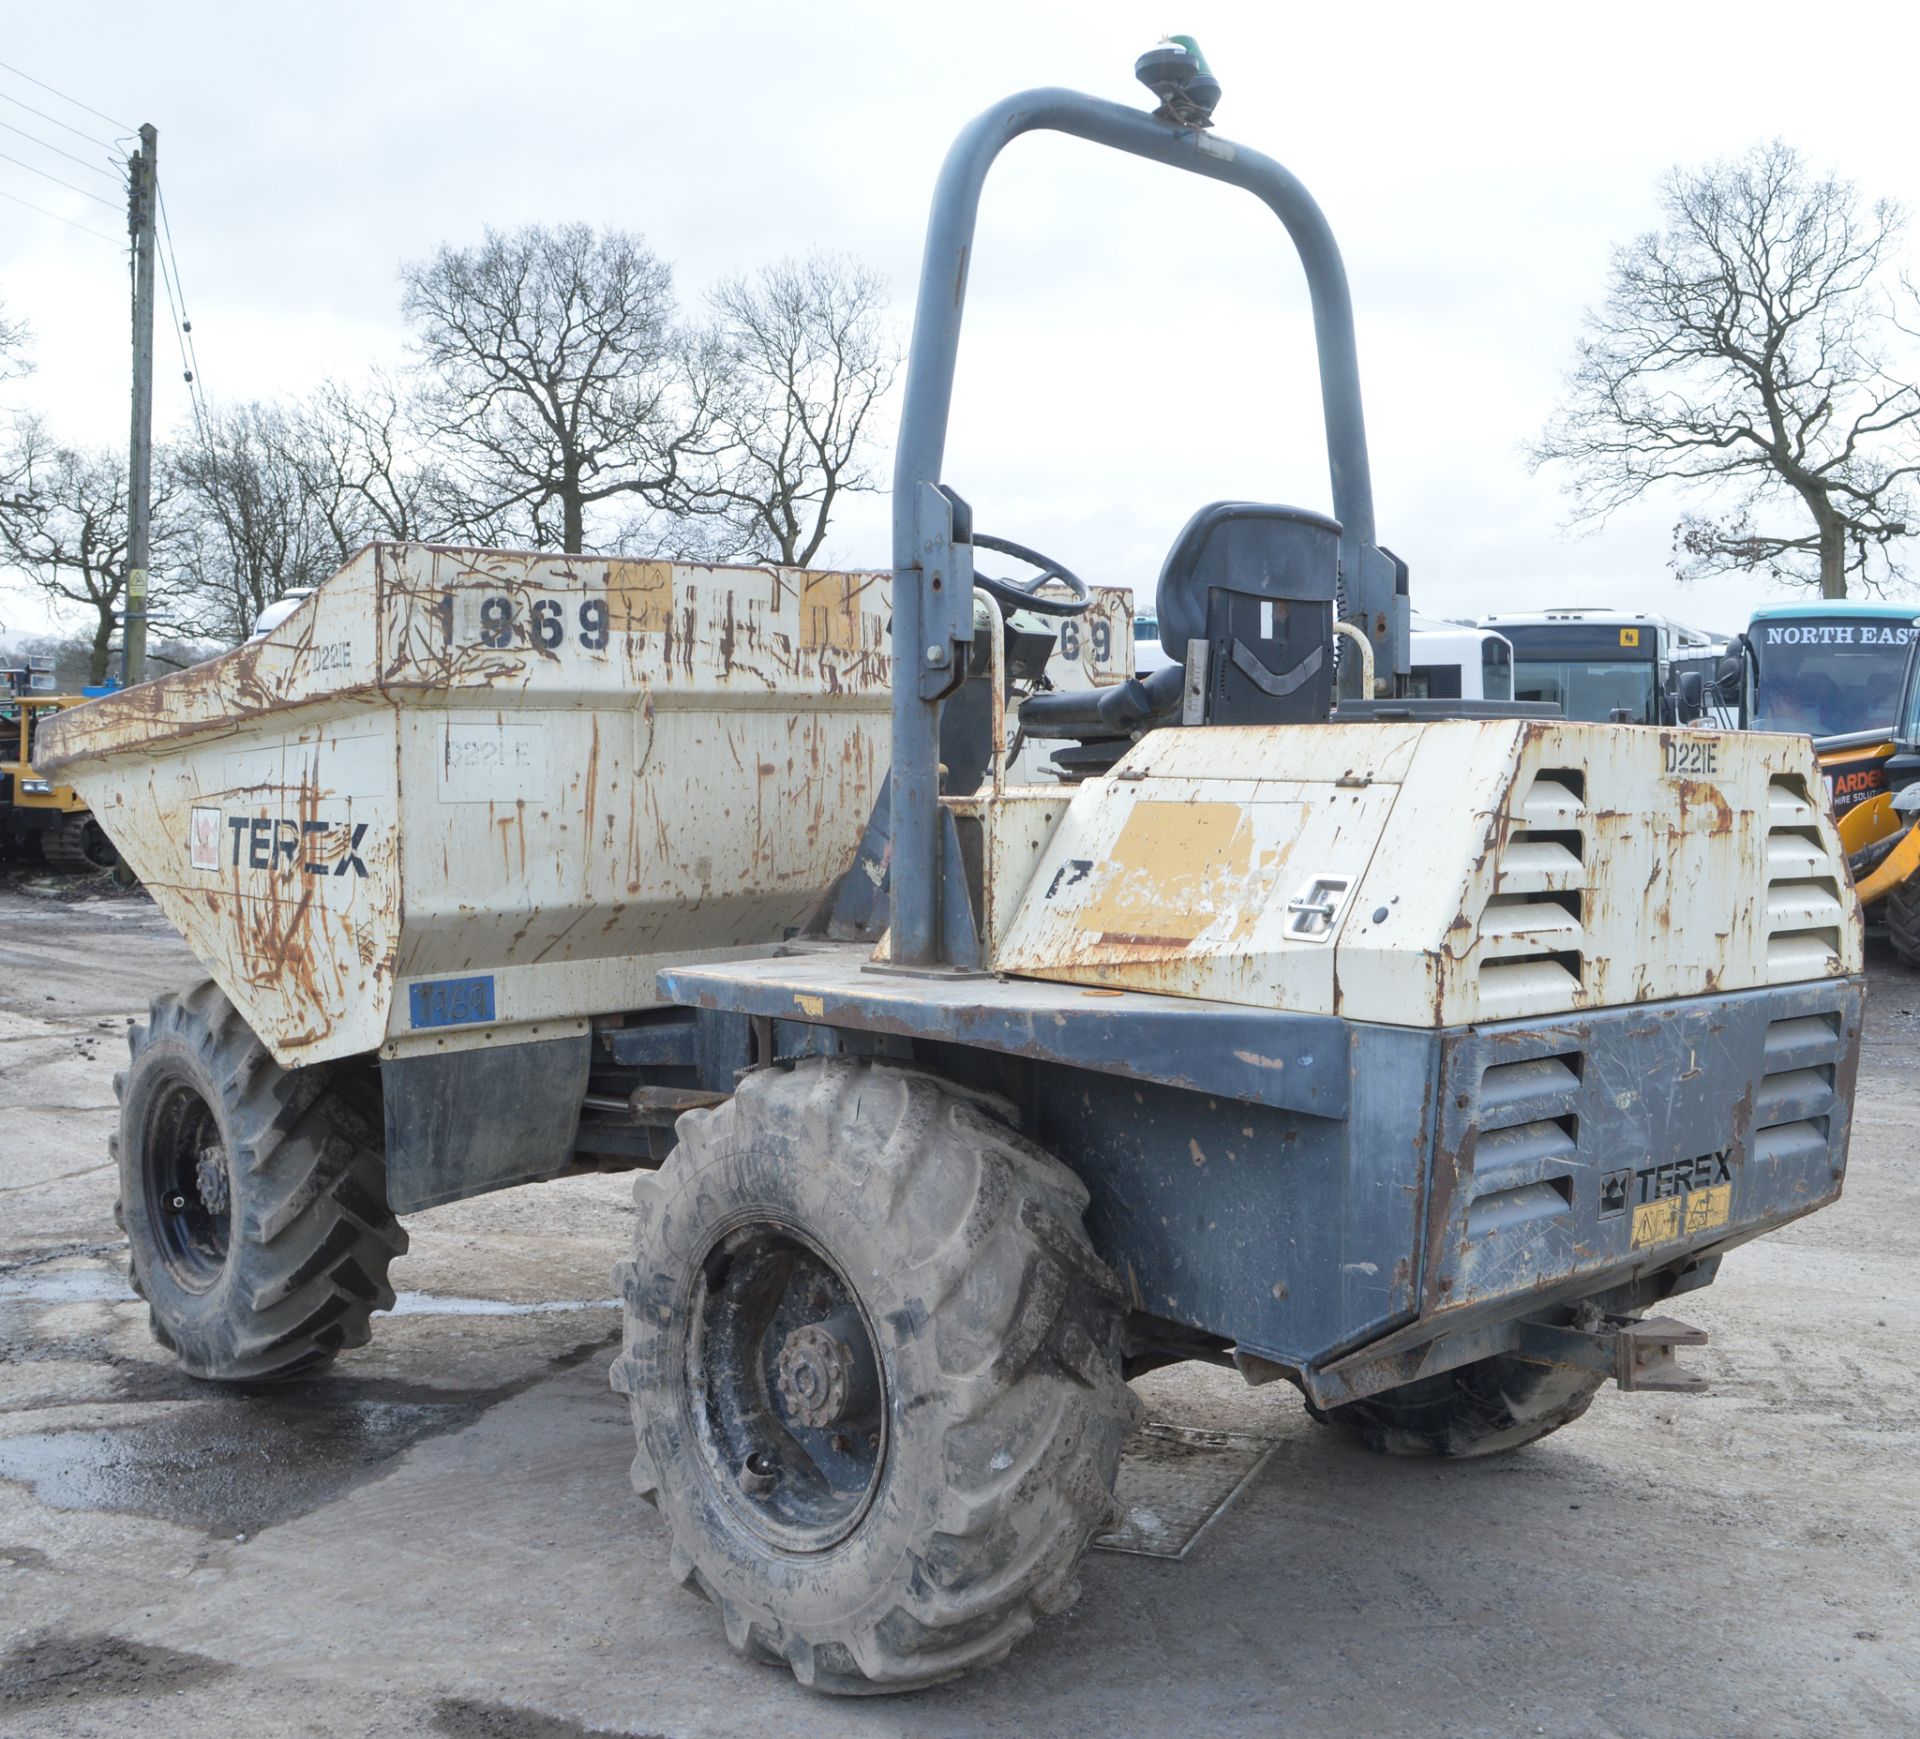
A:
{"x":1489,"y":1407}
{"x":1031,"y":1416}
{"x":1900,"y":911}
{"x":70,"y":847}
{"x":312,"y":1237}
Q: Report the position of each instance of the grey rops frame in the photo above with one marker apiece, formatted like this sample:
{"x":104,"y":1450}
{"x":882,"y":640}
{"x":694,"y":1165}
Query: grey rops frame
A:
{"x":932,"y":554}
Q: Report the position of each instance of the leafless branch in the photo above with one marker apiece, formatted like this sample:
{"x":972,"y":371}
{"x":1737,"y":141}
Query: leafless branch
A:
{"x":1741,"y":356}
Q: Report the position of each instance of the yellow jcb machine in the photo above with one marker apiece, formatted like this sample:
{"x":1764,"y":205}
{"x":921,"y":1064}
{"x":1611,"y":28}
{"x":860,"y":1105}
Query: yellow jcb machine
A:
{"x":36,"y":810}
{"x":1884,"y":850}
{"x":1834,"y":670}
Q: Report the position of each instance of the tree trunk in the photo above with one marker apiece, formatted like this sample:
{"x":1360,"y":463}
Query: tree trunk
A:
{"x":573,"y":516}
{"x":102,"y":646}
{"x":1833,"y":556}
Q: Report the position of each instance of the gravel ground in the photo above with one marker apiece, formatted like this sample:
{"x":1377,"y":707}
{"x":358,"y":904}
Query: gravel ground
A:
{"x":439,"y":1538}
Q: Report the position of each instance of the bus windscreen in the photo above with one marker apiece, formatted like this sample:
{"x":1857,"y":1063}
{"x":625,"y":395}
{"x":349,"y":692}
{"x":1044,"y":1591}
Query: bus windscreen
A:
{"x":1828,"y":678}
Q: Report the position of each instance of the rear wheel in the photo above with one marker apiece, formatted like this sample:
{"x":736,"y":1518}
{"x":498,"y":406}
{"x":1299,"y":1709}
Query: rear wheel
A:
{"x":79,"y":843}
{"x":253,"y":1197}
{"x":1900,"y":911}
{"x":1483,"y":1408}
{"x":875,"y":1374}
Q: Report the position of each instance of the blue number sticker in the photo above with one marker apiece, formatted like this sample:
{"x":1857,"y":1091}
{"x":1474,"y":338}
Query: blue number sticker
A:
{"x":451,"y":1002}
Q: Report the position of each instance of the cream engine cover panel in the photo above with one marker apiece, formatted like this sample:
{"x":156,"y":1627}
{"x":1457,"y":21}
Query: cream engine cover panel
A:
{"x":1444,"y":873}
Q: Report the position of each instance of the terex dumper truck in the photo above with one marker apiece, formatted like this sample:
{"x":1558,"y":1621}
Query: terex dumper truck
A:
{"x":1416,"y":1053}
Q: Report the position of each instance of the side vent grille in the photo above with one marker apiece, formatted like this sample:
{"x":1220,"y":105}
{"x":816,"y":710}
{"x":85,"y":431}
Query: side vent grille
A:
{"x":1803,"y":909}
{"x":1524,"y":1155}
{"x":1531,"y":934}
{"x":1794,"y":1101}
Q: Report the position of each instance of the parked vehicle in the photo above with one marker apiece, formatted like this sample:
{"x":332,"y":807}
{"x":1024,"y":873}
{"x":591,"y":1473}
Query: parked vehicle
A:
{"x":40,"y":815}
{"x":1414,"y":1052}
{"x":1601,"y":664}
{"x":1884,"y":854}
{"x":1456,"y":661}
{"x":1834,"y":670}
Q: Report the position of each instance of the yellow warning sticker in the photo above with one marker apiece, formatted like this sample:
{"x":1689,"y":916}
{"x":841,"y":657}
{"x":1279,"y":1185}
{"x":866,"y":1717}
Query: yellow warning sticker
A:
{"x":1707,"y":1210}
{"x":1682,"y":1216}
{"x":1629,"y":636}
{"x":812,"y":1006}
{"x":1655,"y":1222}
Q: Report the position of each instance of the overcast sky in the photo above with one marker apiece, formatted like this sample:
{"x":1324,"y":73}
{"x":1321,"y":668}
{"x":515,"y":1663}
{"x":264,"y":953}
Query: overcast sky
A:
{"x":1137,"y":341}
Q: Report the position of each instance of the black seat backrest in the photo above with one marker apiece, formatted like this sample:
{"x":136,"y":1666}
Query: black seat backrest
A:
{"x":1258,"y":584}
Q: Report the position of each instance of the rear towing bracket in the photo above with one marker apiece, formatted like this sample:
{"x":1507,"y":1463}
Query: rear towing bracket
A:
{"x":1637,"y":1353}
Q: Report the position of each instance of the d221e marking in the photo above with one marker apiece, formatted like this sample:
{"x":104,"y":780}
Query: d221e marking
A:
{"x":1696,"y":757}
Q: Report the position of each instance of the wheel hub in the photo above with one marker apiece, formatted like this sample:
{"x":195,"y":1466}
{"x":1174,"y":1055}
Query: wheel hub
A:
{"x":210,"y":1179}
{"x":826,"y":1371}
{"x":189,"y":1185}
{"x":786,"y":1387}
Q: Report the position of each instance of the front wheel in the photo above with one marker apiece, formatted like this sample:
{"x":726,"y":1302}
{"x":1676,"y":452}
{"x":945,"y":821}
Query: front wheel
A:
{"x":253,"y":1197}
{"x":1483,"y":1408}
{"x":78,"y":844}
{"x":874,"y":1369}
{"x":1901,"y":913}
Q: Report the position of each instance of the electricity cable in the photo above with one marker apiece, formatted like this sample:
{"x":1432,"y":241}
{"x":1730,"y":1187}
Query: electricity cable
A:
{"x":60,"y":151}
{"x":98,"y":199}
{"x":57,"y":218}
{"x":68,"y":126}
{"x":62,"y":95}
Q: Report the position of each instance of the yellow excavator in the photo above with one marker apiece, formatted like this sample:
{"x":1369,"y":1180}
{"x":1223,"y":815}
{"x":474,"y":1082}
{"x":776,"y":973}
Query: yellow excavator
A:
{"x":35,"y":811}
{"x":1882,"y":842}
{"x":1842,"y":671}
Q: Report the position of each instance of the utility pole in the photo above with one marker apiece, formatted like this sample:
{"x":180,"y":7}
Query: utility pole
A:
{"x":142,"y":204}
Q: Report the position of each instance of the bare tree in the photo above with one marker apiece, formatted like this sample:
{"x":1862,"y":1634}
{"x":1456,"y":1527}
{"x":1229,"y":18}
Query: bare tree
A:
{"x":367,"y":471}
{"x":64,"y":527}
{"x":555,"y":377}
{"x":250,"y":526}
{"x":798,"y":357}
{"x":1741,"y":355}
{"x":14,"y":360}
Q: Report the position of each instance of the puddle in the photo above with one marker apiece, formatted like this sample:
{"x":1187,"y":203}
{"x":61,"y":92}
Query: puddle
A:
{"x":66,"y":1286}
{"x":458,"y":1718}
{"x":65,"y":1670}
{"x":437,"y":1304}
{"x":109,"y":1286}
{"x":235,"y":1462}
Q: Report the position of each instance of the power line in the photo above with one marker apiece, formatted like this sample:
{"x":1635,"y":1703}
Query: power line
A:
{"x":62,"y":95}
{"x":57,"y":218}
{"x":110,"y":204}
{"x":84,"y":162}
{"x":183,"y":323}
{"x":183,"y":337}
{"x":77,"y":132}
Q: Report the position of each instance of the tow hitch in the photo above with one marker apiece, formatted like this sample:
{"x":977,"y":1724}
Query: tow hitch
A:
{"x":1636,"y":1354}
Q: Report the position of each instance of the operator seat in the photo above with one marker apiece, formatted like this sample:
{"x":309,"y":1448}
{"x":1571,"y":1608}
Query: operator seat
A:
{"x":1257,"y":584}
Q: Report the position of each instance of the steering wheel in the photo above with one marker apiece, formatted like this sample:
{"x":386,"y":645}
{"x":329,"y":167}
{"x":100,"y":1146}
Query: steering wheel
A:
{"x":1012,"y":597}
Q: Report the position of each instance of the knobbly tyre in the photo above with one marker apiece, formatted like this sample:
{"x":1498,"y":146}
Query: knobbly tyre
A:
{"x":1416,"y":1053}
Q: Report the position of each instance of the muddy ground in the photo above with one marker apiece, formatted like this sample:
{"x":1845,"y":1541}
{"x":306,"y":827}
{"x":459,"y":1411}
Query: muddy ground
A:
{"x":439,"y":1537}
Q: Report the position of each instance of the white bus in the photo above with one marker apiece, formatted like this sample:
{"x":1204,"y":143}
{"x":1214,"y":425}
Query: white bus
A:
{"x":1602,"y":664}
{"x":1457,"y":661}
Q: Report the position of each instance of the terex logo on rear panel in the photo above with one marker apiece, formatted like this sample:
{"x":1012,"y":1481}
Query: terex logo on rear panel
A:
{"x":311,"y":846}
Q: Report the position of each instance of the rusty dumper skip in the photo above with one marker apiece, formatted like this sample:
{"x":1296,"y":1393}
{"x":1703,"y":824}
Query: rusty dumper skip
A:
{"x":1410,"y":1052}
